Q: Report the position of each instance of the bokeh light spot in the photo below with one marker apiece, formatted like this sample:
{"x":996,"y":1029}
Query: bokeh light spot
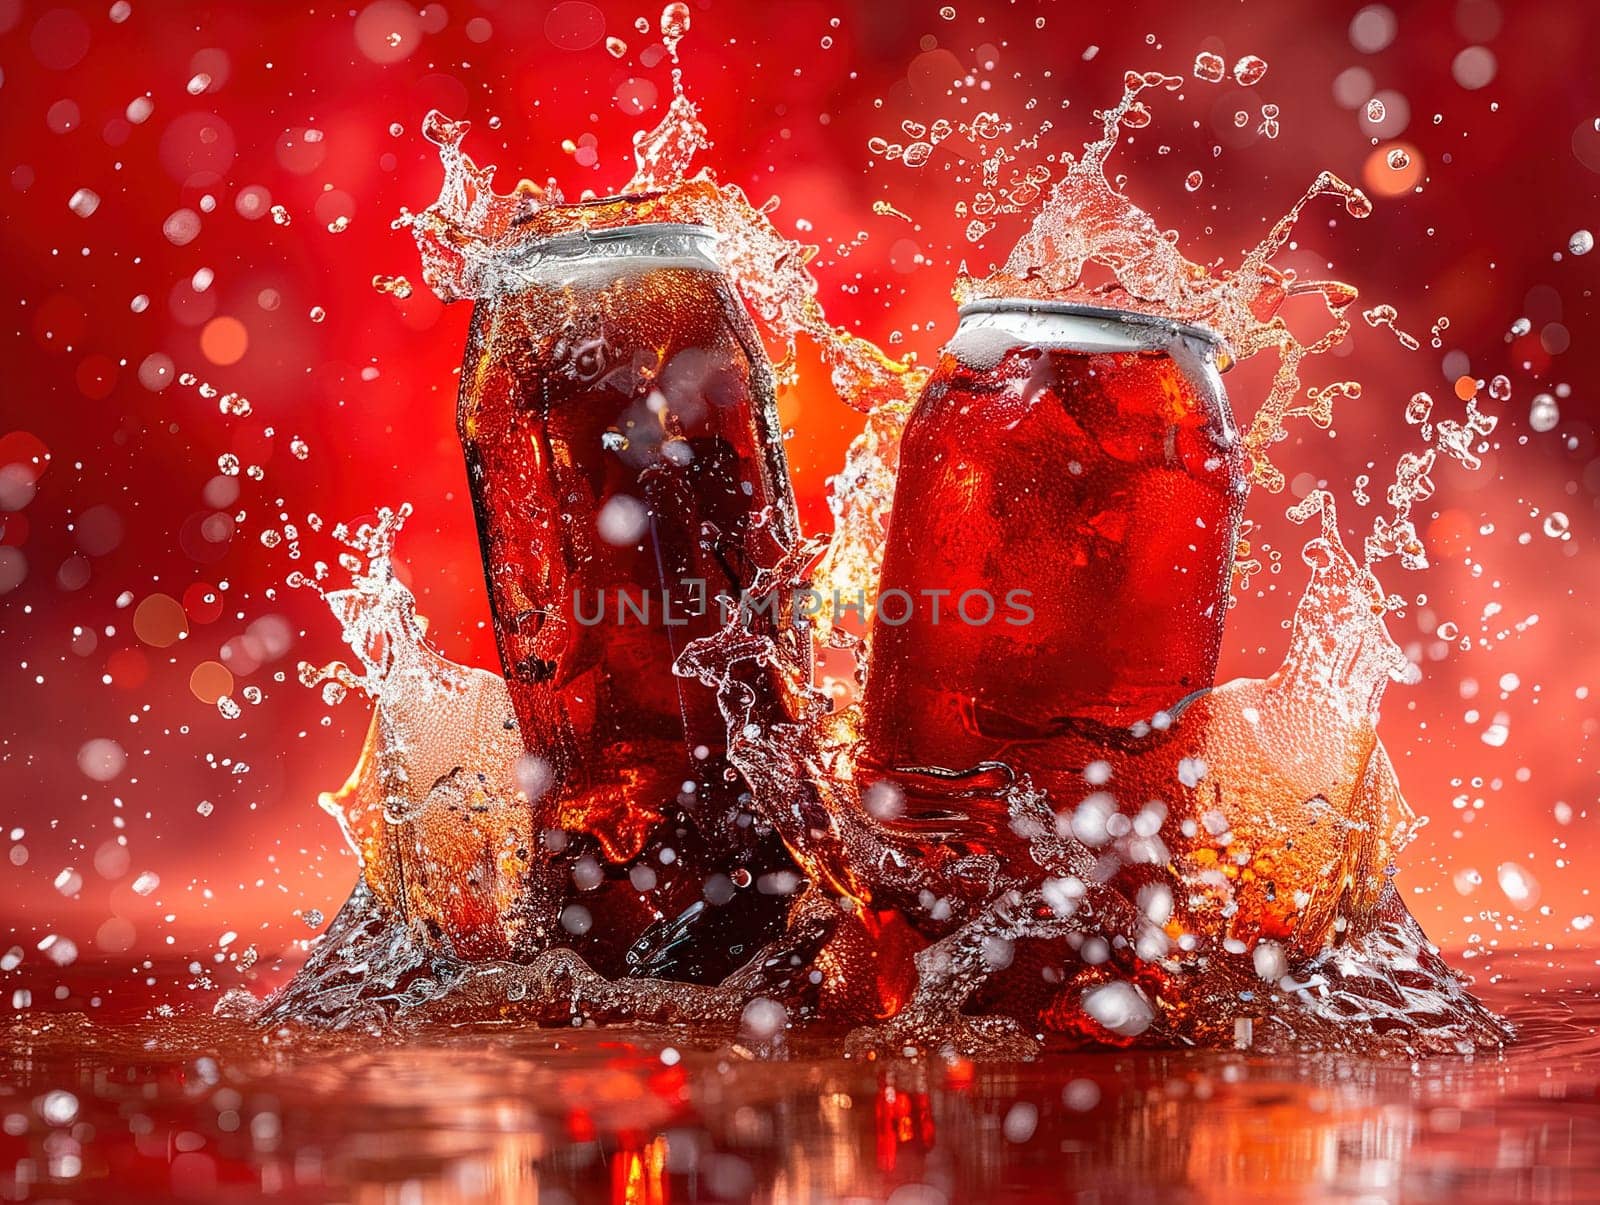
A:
{"x":98,"y":530}
{"x":202,"y":602}
{"x":101,"y":759}
{"x":160,"y":621}
{"x":224,"y":340}
{"x":387,"y":31}
{"x":128,"y":669}
{"x":1373,"y":28}
{"x":1474,"y":67}
{"x":1381,"y":179}
{"x":574,"y":25}
{"x":210,"y":681}
{"x":60,"y":39}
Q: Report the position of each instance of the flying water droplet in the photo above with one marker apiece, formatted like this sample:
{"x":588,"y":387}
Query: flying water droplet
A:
{"x":1544,"y":413}
{"x":1209,"y":67}
{"x":395,"y":286}
{"x":674,"y":25}
{"x":84,"y":202}
{"x":1249,"y":70}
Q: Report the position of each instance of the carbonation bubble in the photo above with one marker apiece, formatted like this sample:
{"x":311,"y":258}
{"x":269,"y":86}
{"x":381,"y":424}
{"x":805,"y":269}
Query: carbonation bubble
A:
{"x":1399,"y":160}
{"x":1581,"y":243}
{"x":1193,"y":181}
{"x":1375,"y":110}
{"x":1556,"y":524}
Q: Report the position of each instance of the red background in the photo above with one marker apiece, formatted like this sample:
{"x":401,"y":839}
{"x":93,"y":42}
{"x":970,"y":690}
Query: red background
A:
{"x":1507,"y":174}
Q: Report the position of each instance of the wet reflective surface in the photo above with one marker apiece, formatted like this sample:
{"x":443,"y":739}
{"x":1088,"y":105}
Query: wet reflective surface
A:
{"x":193,"y":1108}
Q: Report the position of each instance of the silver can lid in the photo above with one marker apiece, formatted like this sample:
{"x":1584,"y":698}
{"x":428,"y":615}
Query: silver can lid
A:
{"x":1152,"y":323}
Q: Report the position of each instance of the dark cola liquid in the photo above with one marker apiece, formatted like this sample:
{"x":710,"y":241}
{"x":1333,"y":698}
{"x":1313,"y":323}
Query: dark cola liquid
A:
{"x":619,"y":423}
{"x":1073,"y":511}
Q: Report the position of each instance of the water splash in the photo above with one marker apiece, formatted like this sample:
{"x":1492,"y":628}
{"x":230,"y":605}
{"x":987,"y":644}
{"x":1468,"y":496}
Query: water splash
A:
{"x":433,"y":809}
{"x":1218,"y":875}
{"x":456,"y":912}
{"x":1150,"y":868}
{"x":1230,"y":862}
{"x":1092,"y":243}
{"x":469,"y":225}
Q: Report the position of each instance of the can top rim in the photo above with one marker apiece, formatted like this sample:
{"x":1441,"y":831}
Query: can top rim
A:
{"x":1025,"y":305}
{"x":635,"y":230}
{"x":644,"y":229}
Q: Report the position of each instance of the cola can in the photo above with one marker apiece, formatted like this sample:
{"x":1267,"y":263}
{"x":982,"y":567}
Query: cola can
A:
{"x":618,"y":416}
{"x":1059,"y":550}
